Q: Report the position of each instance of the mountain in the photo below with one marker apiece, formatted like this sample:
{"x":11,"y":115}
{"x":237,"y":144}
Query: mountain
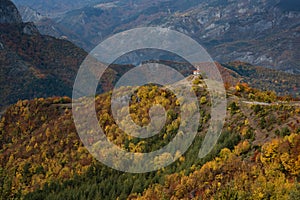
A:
{"x":263,"y":32}
{"x":29,"y":14}
{"x":36,"y":65}
{"x":89,"y":24}
{"x":52,"y":8}
{"x":33,"y":65}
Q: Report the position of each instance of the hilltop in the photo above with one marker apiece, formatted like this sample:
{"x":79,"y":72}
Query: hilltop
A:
{"x":42,"y":157}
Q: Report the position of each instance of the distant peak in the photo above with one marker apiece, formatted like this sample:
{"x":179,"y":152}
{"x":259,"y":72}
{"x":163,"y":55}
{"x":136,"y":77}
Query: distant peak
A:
{"x":9,"y":13}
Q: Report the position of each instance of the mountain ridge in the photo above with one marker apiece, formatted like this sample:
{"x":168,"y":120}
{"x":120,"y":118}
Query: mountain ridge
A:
{"x":263,"y":32}
{"x":33,"y":65}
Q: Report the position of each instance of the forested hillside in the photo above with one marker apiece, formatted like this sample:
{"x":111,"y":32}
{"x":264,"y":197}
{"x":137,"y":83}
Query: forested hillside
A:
{"x":43,"y":158}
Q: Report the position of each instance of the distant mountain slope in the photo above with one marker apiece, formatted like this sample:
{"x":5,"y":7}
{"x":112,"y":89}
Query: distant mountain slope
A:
{"x":263,"y":32}
{"x":89,"y":24}
{"x":54,"y":7}
{"x":29,"y":14}
{"x":264,"y":79}
{"x":33,"y":65}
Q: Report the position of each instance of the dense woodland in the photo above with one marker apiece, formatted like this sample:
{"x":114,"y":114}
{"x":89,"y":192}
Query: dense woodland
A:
{"x":256,"y":157}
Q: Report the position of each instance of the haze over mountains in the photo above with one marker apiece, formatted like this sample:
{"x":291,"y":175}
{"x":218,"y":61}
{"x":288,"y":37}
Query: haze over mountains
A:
{"x":260,"y":32}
